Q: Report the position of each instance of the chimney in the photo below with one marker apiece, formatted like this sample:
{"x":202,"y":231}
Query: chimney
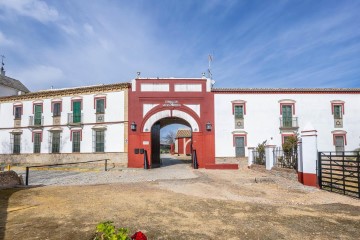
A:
{"x":2,"y":71}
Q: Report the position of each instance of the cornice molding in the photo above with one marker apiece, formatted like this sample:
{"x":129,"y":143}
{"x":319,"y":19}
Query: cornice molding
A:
{"x":67,"y":92}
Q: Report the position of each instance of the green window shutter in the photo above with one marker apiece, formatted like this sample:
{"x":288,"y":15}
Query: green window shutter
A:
{"x":287,"y":115}
{"x":100,"y":105}
{"x":55,"y":142}
{"x":77,"y":112}
{"x":239,"y":111}
{"x":337,"y":112}
{"x":17,"y":142}
{"x":76,"y":137}
{"x":38,"y":113}
{"x":37,"y":142}
{"x":99,"y":141}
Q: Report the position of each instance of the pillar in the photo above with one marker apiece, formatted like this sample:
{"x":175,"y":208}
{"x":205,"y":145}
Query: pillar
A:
{"x":269,"y":154}
{"x":250,"y":156}
{"x":309,"y":155}
{"x":300,"y":161}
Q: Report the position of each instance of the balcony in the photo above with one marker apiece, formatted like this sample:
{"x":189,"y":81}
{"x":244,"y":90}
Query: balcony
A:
{"x":36,"y":122}
{"x":289,"y":123}
{"x":75,"y":119}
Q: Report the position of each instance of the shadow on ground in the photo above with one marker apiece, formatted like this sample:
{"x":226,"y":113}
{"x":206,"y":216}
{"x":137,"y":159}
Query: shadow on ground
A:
{"x":166,"y":162}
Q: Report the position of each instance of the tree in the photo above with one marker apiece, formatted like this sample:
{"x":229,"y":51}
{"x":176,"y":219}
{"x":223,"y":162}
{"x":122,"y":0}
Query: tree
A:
{"x":169,"y":138}
{"x":290,"y":151}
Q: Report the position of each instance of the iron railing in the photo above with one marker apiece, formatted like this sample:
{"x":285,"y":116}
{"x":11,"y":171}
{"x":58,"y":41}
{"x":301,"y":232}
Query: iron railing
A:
{"x":339,"y":172}
{"x":285,"y":159}
{"x":289,"y":122}
{"x":259,"y":157}
{"x":36,"y":121}
{"x":60,"y":164}
{"x":74,"y":119}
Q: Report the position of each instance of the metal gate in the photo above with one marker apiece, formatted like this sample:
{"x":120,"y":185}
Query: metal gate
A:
{"x":339,"y":172}
{"x":285,"y":159}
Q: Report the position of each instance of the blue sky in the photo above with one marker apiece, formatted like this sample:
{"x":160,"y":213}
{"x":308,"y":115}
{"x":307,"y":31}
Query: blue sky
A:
{"x":254,"y":43}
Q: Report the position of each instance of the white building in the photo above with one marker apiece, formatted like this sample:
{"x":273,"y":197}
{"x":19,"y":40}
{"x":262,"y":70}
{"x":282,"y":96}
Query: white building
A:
{"x":91,"y":123}
{"x":65,"y":125}
{"x":10,"y":86}
{"x":246,"y":117}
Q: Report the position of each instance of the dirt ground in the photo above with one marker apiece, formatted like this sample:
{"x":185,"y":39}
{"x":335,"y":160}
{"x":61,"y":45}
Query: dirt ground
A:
{"x":218,"y":204}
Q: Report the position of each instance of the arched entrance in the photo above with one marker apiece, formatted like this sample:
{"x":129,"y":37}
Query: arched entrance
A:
{"x":154,"y":103}
{"x":182,"y":145}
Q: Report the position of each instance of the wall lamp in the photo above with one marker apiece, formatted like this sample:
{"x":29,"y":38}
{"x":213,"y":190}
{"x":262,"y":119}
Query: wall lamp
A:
{"x":133,"y":126}
{"x":208,"y":126}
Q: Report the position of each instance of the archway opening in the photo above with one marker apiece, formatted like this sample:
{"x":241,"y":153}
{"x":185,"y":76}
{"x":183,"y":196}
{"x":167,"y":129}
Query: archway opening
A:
{"x":171,"y":142}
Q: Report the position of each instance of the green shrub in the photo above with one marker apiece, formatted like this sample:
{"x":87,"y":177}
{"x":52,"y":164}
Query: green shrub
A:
{"x":106,"y":231}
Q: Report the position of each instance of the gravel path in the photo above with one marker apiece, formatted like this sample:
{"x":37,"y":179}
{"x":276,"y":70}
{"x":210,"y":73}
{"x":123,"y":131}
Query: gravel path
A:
{"x":172,"y":169}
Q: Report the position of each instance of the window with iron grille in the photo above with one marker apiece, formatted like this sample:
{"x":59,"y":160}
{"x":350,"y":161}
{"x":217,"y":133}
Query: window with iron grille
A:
{"x":76,"y":138}
{"x":239,"y":111}
{"x":99,"y":140}
{"x":16,"y":143}
{"x":18,"y":112}
{"x":339,"y":144}
{"x":56,"y":109}
{"x":55,"y":142}
{"x":37,"y":142}
{"x":100,"y":105}
{"x":337,"y":111}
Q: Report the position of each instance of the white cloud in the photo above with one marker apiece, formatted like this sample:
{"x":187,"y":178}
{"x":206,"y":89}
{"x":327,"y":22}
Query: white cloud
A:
{"x":36,"y":9}
{"x":5,"y":41}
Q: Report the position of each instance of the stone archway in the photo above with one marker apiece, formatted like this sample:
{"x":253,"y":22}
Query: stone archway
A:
{"x":155,"y":158}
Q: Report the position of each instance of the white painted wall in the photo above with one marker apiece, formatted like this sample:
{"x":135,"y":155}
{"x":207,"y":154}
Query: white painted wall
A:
{"x":114,"y":117}
{"x":261,"y":121}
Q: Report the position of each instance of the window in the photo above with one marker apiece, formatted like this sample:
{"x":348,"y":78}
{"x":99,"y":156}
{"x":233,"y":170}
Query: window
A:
{"x":100,"y":105}
{"x":16,"y":143}
{"x":339,"y":144}
{"x":55,"y":142}
{"x":337,"y":112}
{"x":287,"y":118}
{"x":37,"y":142}
{"x":37,"y":114}
{"x":76,"y":107}
{"x":239,"y":110}
{"x":76,"y":138}
{"x":99,"y":141}
{"x":56,"y":109}
{"x":18,"y":112}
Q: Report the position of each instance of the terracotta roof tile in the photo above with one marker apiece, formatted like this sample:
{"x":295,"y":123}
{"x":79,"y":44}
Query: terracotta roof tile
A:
{"x":183,"y":133}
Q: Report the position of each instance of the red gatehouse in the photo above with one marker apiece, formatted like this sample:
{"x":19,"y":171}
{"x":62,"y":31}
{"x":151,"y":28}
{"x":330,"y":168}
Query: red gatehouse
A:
{"x":155,"y":103}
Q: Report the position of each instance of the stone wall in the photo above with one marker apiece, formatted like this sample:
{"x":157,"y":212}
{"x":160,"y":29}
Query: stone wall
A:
{"x":119,"y":158}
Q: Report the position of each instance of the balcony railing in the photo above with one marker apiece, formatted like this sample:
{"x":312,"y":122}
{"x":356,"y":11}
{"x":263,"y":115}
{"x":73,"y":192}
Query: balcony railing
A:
{"x":36,"y":121}
{"x":289,"y":122}
{"x":75,"y":119}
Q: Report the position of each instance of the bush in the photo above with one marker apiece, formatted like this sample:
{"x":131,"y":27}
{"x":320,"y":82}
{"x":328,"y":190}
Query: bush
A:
{"x":106,"y":231}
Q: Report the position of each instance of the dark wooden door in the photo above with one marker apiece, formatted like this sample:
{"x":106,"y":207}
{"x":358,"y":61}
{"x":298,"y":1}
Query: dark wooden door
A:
{"x":155,"y":145}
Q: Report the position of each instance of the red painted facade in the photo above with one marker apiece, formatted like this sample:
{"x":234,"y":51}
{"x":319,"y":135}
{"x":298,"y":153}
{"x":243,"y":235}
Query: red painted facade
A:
{"x":184,"y":146}
{"x":308,"y":179}
{"x":203,"y":141}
